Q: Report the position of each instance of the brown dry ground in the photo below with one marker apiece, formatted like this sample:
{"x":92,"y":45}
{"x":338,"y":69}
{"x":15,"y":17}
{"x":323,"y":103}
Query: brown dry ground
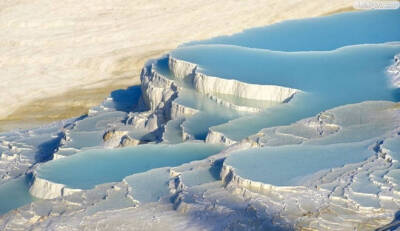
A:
{"x":345,"y":9}
{"x":78,"y":101}
{"x":70,"y":104}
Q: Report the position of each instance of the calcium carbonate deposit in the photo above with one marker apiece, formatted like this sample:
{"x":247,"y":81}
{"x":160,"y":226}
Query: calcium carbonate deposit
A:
{"x":293,"y":126}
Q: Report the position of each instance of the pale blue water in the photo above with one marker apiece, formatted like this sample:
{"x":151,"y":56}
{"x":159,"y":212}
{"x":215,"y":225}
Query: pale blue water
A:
{"x":89,"y":168}
{"x":173,"y":132}
{"x":308,"y":71}
{"x":84,"y":139}
{"x":393,"y":145}
{"x":144,"y":191}
{"x":328,"y":78}
{"x":14,"y":194}
{"x":334,"y":60}
{"x":287,"y":165}
{"x":211,"y":113}
{"x":319,"y":34}
{"x":198,"y":177}
{"x":93,"y":123}
{"x":301,"y":54}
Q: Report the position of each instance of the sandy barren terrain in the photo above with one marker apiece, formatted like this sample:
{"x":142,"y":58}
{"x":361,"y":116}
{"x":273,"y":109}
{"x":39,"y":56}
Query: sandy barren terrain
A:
{"x":58,"y":58}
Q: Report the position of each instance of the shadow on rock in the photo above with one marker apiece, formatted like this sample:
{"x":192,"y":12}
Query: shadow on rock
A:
{"x":394,"y":225}
{"x":126,"y":99}
{"x":236,"y":218}
{"x":47,"y":149}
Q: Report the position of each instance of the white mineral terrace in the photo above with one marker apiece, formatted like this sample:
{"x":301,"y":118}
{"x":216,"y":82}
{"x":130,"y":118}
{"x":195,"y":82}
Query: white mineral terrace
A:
{"x":194,"y":146}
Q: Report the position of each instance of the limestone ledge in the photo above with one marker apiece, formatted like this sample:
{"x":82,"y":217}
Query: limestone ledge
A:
{"x":210,"y":84}
{"x":215,"y":137}
{"x":394,"y":71}
{"x":159,"y":93}
{"x":45,"y":189}
{"x":228,"y":176}
{"x":157,"y":89}
{"x":178,"y":111}
{"x":181,"y":69}
{"x":234,"y":106}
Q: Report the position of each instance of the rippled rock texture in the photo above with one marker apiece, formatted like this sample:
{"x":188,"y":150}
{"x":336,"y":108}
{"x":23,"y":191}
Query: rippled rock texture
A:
{"x":294,"y":126}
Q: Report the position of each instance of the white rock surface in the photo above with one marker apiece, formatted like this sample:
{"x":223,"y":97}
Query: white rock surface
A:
{"x":156,"y":89}
{"x":235,"y":107}
{"x":215,"y":137}
{"x":112,"y":138}
{"x":394,"y":72}
{"x":45,"y":189}
{"x":179,"y":110}
{"x":158,"y":92}
{"x":209,"y":84}
{"x":180,"y":68}
{"x":49,"y":48}
{"x":361,"y":196}
{"x":352,"y":122}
